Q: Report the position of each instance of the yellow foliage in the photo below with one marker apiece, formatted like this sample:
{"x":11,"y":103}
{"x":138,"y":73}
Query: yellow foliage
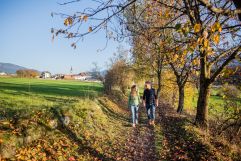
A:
{"x":216,"y":38}
{"x":68,"y":21}
{"x":85,"y":18}
{"x":197,"y":27}
{"x":195,"y":62}
{"x":190,"y":93}
{"x":175,"y":57}
{"x":209,"y":51}
{"x":206,"y":43}
{"x":216,"y":27}
{"x":167,"y":13}
{"x":169,"y":88}
{"x":199,"y":40}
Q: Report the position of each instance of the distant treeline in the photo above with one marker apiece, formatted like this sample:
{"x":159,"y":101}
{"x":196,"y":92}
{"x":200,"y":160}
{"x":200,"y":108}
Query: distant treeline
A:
{"x":27,"y":73}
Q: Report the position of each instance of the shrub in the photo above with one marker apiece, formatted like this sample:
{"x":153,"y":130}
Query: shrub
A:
{"x":231,"y":91}
{"x":118,"y":76}
{"x":227,"y":121}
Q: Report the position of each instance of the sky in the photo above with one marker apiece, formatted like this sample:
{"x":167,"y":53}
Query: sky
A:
{"x":25,"y":38}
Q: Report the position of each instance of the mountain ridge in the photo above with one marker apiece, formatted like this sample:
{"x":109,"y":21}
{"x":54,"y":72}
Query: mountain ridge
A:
{"x":11,"y":68}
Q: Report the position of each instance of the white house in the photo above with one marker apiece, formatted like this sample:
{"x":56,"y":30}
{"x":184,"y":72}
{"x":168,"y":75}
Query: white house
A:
{"x":3,"y":73}
{"x":45,"y":75}
{"x":81,"y":76}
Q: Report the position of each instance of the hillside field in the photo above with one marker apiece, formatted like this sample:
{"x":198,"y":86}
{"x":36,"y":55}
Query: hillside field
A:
{"x":73,"y":120}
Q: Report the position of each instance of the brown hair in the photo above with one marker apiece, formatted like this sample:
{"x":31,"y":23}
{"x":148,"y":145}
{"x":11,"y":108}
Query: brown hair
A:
{"x":147,"y":83}
{"x":133,"y":90}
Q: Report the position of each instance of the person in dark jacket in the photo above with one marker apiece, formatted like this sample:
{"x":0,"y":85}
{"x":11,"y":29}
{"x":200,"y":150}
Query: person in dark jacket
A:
{"x":150,"y":101}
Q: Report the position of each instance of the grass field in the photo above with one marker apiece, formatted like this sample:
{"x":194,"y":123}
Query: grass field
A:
{"x":30,"y":108}
{"x":49,"y":87}
{"x":62,"y":120}
{"x":18,"y":93}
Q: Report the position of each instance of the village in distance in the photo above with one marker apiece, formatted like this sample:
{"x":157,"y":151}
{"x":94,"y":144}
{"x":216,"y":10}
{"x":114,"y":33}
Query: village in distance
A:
{"x":12,"y":70}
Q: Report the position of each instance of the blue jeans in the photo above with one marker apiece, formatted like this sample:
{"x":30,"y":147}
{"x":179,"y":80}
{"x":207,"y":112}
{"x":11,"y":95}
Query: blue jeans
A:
{"x":150,"y":110}
{"x":134,"y":114}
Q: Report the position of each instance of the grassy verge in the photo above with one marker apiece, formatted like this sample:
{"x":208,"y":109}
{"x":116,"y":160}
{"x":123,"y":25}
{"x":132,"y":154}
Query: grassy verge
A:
{"x":63,"y":120}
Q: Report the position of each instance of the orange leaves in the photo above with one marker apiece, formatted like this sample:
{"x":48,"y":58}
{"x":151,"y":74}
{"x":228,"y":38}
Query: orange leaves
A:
{"x":206,"y":43}
{"x":216,"y":27}
{"x":185,"y":52}
{"x":175,"y":57}
{"x":160,"y":13}
{"x":85,"y":18}
{"x":44,"y":150}
{"x":197,"y":28}
{"x":216,"y":38}
{"x":167,"y":13}
{"x":195,"y":62}
{"x":68,"y":21}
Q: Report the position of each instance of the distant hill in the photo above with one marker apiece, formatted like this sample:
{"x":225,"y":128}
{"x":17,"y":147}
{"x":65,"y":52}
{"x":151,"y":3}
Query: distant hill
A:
{"x":10,"y":68}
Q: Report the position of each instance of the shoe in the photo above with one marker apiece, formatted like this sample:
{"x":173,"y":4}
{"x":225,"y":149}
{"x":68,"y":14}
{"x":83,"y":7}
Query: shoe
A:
{"x":150,"y":122}
{"x":153,"y":123}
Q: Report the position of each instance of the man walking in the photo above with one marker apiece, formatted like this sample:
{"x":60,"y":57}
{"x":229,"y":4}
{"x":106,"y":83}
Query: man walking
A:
{"x":150,"y":101}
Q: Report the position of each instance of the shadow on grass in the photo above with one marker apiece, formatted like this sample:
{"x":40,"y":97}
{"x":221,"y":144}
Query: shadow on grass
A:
{"x":182,"y":145}
{"x":112,"y":114}
{"x":81,"y":90}
{"x":72,"y":136}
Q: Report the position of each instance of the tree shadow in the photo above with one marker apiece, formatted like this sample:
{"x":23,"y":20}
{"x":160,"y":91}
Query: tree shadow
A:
{"x":81,"y":90}
{"x":182,"y":145}
{"x":72,"y":136}
{"x":112,"y":114}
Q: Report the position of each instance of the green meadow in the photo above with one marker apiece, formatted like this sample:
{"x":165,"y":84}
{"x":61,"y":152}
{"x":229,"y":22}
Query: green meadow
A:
{"x":30,"y":108}
{"x":23,"y":93}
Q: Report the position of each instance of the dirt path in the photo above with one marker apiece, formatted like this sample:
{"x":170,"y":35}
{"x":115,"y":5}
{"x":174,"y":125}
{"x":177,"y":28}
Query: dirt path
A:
{"x":176,"y":143}
{"x":140,"y":142}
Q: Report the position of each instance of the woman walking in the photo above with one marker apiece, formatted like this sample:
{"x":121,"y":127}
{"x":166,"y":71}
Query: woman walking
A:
{"x":133,"y":104}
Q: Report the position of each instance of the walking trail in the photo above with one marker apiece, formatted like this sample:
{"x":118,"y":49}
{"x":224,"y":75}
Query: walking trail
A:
{"x":168,"y":140}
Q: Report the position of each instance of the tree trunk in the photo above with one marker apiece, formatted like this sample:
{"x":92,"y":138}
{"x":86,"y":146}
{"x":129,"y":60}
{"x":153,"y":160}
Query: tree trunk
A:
{"x":202,"y":106}
{"x":159,"y":76}
{"x":204,"y":92}
{"x":159,"y":86}
{"x":181,"y":99}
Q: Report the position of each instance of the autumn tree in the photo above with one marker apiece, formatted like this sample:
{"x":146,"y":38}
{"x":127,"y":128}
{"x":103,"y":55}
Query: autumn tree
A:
{"x":120,"y":74}
{"x":182,"y":65}
{"x":214,"y":38}
{"x":27,"y":73}
{"x":147,"y":42}
{"x":217,"y":45}
{"x":212,"y":29}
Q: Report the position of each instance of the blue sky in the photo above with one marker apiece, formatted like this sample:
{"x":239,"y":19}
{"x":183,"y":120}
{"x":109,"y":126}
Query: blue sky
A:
{"x":25,"y":38}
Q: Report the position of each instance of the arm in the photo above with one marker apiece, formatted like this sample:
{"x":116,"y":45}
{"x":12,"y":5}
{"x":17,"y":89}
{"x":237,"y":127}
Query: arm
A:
{"x":144,"y":98}
{"x":129,"y":100}
{"x":139,"y":100}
